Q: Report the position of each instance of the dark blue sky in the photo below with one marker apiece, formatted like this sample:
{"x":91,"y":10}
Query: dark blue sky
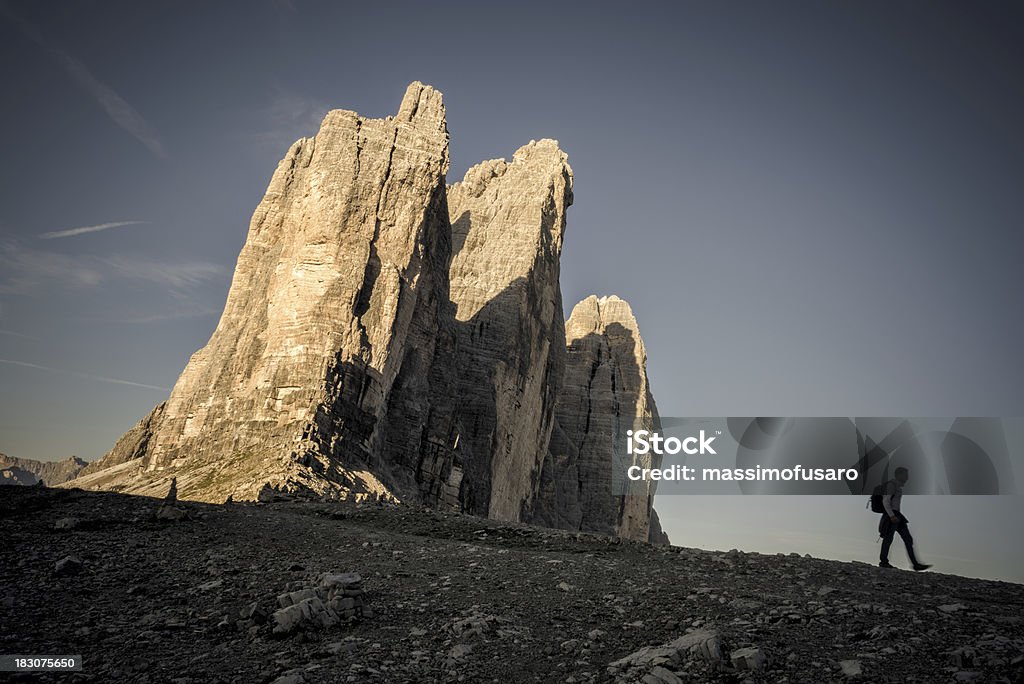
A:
{"x":814,"y":208}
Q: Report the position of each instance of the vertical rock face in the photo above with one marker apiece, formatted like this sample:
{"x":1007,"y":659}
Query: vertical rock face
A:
{"x":657,"y":535}
{"x":508,"y":219}
{"x":604,"y":394}
{"x":391,"y":335}
{"x":333,"y":305}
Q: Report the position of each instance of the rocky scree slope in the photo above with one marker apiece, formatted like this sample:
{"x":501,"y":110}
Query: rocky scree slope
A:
{"x":453,"y":597}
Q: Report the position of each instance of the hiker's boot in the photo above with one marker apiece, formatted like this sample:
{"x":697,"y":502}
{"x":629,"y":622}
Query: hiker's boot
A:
{"x":918,"y":567}
{"x":885,"y":564}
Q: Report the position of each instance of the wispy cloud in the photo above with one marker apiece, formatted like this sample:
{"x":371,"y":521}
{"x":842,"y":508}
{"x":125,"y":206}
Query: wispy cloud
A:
{"x":86,"y":376}
{"x":287,"y":117}
{"x":24,"y":270}
{"x":87,"y":229}
{"x":116,"y":107}
{"x":23,"y":336}
{"x":174,"y":275}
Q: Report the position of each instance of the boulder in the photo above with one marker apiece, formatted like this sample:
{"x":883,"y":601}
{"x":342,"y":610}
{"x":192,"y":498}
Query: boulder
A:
{"x":334,"y":598}
{"x":850,"y":668}
{"x":69,"y":565}
{"x":751,"y":659}
{"x":701,"y":644}
{"x":69,"y":523}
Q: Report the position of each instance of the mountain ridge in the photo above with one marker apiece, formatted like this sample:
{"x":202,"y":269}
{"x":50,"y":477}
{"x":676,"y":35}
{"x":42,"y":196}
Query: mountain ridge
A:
{"x":389,"y":335}
{"x":28,"y":471}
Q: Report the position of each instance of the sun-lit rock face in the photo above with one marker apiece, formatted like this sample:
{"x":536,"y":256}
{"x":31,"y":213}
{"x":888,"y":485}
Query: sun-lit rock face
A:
{"x":508,"y":220}
{"x":389,"y":335}
{"x":334,"y":303}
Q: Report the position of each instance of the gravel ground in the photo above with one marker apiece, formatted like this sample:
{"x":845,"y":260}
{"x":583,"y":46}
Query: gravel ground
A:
{"x":451,"y":597}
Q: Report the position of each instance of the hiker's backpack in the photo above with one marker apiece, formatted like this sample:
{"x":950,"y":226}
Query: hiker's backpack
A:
{"x":876,"y":498}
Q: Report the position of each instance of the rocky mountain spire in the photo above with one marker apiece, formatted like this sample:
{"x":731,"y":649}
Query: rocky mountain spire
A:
{"x":508,"y":219}
{"x":338,"y":286}
{"x":604,"y":393}
{"x":389,"y":335}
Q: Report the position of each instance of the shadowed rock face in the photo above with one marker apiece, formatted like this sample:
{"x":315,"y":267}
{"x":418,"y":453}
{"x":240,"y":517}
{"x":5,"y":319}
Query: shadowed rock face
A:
{"x":508,"y":219}
{"x":386,"y":334}
{"x":337,"y":288}
{"x":604,"y":394}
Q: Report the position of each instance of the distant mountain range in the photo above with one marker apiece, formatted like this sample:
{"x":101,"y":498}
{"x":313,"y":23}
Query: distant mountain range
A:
{"x":26,"y":471}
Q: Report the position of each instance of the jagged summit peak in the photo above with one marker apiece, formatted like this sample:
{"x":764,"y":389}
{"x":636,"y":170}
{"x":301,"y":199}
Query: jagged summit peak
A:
{"x":545,"y":156}
{"x":595,"y":313}
{"x":605,"y":391}
{"x":508,"y":220}
{"x":421,"y":101}
{"x":389,"y":336}
{"x":338,"y":286}
{"x":545,"y":147}
{"x":422,"y":106}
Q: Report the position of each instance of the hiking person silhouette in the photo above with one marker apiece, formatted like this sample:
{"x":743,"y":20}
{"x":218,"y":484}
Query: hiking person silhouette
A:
{"x":894,"y":521}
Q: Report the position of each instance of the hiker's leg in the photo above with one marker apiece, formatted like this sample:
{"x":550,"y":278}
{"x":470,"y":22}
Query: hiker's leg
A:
{"x":904,"y":531}
{"x":887,"y":536}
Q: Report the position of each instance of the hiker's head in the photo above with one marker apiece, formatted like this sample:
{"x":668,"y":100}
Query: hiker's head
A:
{"x":902,"y":475}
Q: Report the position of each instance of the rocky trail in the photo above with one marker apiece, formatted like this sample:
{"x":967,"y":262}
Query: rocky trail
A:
{"x":450,"y":597}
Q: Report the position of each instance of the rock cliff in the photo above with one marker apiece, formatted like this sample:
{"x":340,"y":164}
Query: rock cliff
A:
{"x":508,"y":219}
{"x":387,"y":334}
{"x":330,"y":320}
{"x":604,"y":393}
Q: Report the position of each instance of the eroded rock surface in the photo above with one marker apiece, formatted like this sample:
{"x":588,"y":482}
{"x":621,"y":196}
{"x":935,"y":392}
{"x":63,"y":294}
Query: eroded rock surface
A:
{"x":330,"y":323}
{"x":390,"y":336}
{"x":508,"y":220}
{"x":604,"y":393}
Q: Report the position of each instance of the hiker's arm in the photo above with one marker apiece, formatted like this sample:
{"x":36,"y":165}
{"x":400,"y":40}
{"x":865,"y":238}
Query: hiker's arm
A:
{"x":887,"y":504}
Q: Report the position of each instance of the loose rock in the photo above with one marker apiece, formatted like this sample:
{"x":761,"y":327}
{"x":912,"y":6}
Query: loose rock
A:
{"x":69,"y":565}
{"x":752,"y":659}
